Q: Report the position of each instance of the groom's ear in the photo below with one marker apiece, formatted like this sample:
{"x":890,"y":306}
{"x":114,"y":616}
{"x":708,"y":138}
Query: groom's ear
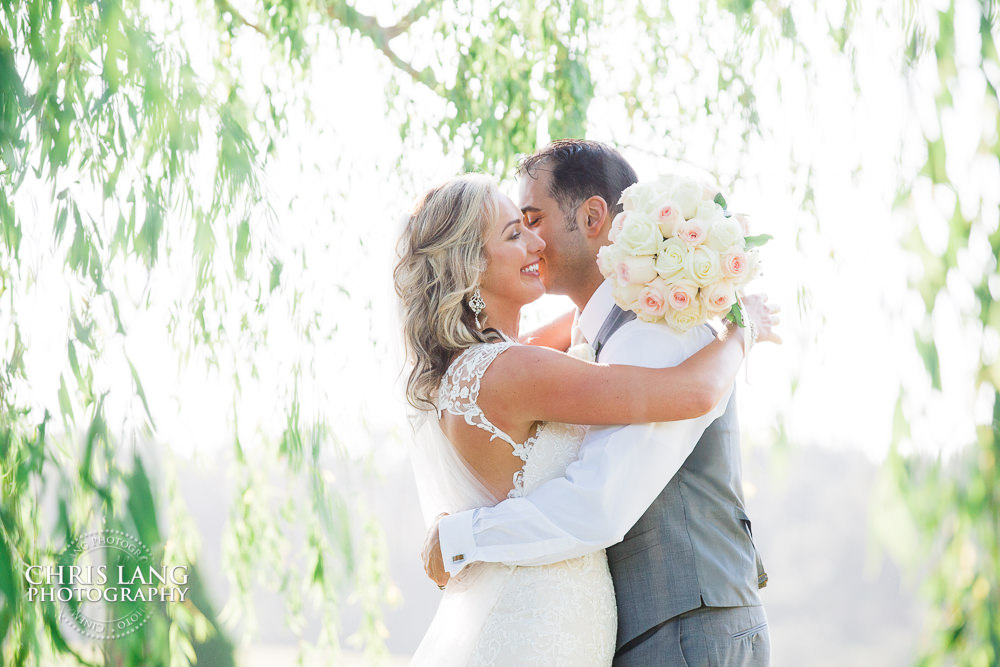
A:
{"x":596,"y":211}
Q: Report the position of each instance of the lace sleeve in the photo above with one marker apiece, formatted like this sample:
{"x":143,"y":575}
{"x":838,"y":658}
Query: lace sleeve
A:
{"x":459,"y":391}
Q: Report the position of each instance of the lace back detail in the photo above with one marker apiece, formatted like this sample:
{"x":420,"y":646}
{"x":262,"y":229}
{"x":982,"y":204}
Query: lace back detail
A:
{"x":459,"y":395}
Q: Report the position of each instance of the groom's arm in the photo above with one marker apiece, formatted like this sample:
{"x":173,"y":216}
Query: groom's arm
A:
{"x":619,"y":473}
{"x":556,"y":334}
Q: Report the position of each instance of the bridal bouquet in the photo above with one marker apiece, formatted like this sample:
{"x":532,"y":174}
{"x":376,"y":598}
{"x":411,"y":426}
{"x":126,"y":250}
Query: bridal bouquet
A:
{"x":677,"y":256}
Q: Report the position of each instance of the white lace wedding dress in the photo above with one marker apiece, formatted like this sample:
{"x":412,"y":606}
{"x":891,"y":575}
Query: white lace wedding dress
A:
{"x":494,"y":614}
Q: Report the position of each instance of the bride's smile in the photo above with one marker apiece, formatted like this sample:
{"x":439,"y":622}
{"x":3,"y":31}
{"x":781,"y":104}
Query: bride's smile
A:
{"x":512,"y":277}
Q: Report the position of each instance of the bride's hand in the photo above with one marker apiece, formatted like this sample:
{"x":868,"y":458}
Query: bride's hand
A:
{"x":431,"y":555}
{"x":764,"y":316}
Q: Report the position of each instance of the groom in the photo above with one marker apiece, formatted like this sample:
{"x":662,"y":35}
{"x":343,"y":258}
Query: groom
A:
{"x":668,"y":496}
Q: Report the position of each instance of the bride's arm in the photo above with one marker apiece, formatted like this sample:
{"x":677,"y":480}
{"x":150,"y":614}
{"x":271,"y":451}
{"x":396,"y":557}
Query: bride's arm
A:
{"x":556,"y":334}
{"x":528,"y":384}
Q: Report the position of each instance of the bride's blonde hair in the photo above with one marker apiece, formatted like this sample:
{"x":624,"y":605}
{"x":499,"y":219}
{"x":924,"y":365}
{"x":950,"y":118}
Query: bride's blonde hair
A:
{"x":442,"y":254}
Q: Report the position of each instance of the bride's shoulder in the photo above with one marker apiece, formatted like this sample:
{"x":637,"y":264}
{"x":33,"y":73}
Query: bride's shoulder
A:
{"x":462,"y":379}
{"x":503,"y":365}
{"x":475,"y":359}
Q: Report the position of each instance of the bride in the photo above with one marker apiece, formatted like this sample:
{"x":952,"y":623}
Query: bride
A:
{"x":498,"y":418}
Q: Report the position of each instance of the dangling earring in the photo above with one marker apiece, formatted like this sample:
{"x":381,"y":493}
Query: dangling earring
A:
{"x":477,"y":305}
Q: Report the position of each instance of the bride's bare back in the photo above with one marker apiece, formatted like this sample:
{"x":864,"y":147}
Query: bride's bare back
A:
{"x":488,"y":445}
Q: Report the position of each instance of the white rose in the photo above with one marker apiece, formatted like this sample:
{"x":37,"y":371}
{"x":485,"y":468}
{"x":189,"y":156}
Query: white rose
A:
{"x":626,"y":296}
{"x":686,"y":194}
{"x":670,"y":258}
{"x":607,"y":259}
{"x":640,"y":236}
{"x":702,"y":266}
{"x":638,"y":196}
{"x":616,"y":226}
{"x":635,"y":270}
{"x":709,"y":212}
{"x":684,"y":320}
{"x":724,"y":234}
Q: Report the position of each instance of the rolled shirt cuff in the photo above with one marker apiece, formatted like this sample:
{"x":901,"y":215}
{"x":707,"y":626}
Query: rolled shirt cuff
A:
{"x":457,"y":544}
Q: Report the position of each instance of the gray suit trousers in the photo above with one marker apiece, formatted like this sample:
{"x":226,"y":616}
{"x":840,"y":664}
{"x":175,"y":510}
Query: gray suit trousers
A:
{"x":704,"y":637}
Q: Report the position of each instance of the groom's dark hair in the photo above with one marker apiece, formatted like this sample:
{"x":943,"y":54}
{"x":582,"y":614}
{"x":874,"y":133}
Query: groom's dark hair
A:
{"x":581,"y":169}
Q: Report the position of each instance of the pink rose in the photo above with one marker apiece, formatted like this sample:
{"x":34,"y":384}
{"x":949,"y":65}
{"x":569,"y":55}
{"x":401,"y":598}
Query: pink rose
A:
{"x":668,"y":217}
{"x":653,"y":301}
{"x":692,"y":232}
{"x":735,"y":263}
{"x":635,"y":270}
{"x":681,"y":294}
{"x":718,"y":297}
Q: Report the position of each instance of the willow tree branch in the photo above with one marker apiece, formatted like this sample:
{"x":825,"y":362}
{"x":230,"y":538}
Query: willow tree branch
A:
{"x":226,"y":6}
{"x":368,"y":26}
{"x":420,"y":11}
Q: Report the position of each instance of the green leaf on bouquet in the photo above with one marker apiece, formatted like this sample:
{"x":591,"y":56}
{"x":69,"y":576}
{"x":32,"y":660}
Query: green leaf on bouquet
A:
{"x":736,"y":315}
{"x":721,"y":201}
{"x":759,"y":240}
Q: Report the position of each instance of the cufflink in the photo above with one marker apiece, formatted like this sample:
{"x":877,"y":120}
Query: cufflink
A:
{"x":458,"y":559}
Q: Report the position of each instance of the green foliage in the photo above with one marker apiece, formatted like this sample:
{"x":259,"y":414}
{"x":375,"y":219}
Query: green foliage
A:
{"x":148,"y":152}
{"x":501,"y":73}
{"x":145,"y":152}
{"x":142,"y":156}
{"x":735,"y":315}
{"x":954,"y":507}
{"x":758,"y":240}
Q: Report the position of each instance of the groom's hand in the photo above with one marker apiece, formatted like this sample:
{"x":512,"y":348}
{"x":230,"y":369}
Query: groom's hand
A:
{"x":433,"y":561}
{"x":765,"y":316}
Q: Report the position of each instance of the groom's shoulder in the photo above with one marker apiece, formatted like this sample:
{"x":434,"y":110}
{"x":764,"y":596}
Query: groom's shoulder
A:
{"x":640,"y":343}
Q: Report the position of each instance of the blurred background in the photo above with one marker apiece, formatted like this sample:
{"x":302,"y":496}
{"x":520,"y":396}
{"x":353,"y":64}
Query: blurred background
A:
{"x":199,"y":207}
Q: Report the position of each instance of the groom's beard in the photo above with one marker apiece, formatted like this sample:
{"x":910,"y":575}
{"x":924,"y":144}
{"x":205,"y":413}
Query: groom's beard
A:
{"x":550,"y":280}
{"x":567,"y":275}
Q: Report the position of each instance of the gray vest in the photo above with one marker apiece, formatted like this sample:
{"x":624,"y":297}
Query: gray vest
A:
{"x":693,"y":545}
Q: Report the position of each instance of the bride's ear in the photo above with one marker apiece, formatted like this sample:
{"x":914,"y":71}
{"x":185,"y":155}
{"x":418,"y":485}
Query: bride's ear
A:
{"x":596,"y":211}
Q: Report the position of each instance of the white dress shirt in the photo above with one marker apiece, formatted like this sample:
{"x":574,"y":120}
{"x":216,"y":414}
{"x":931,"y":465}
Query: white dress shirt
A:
{"x":619,"y":473}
